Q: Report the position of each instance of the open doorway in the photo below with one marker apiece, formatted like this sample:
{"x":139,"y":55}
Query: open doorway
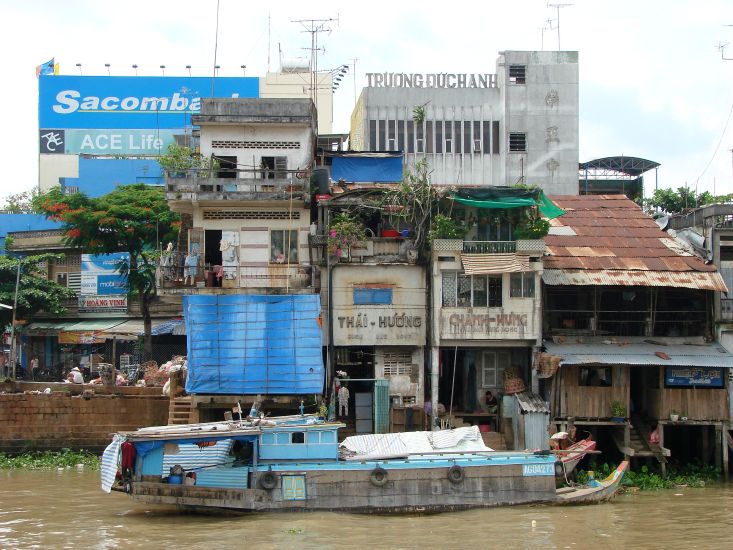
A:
{"x":267,"y":168}
{"x":227,"y":167}
{"x":213,"y":257}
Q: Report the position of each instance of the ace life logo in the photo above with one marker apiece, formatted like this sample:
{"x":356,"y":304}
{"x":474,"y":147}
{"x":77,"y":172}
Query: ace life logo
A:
{"x":52,"y":142}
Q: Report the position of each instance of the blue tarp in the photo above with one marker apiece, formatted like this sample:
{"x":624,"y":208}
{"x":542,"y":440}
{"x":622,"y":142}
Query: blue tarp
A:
{"x":254,"y":344}
{"x":367,"y":169}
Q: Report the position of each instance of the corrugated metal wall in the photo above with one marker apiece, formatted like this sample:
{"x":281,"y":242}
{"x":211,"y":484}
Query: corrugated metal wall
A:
{"x":254,"y":344}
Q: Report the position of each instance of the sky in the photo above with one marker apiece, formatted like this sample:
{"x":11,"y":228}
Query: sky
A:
{"x":653,"y":81}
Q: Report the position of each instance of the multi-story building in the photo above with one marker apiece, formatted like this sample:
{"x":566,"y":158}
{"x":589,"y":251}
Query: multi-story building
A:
{"x":518,"y":125}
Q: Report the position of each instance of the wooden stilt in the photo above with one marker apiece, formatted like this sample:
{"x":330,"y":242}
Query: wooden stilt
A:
{"x":719,"y":439}
{"x":627,"y":438}
{"x":725,"y":451}
{"x":660,"y":429}
{"x":705,"y":444}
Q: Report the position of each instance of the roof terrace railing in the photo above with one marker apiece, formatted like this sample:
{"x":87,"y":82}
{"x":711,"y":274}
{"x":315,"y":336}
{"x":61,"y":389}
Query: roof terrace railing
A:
{"x":489,"y":247}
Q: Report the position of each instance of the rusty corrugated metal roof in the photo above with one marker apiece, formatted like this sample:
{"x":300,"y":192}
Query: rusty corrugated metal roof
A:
{"x":609,"y":277}
{"x":615,"y":243}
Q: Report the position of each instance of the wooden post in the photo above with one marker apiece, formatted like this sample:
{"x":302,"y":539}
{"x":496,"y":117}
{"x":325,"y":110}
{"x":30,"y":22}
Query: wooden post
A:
{"x":660,"y":429}
{"x":114,"y":359}
{"x":725,"y":451}
{"x":705,"y":443}
{"x":718,"y":439}
{"x":627,"y":438}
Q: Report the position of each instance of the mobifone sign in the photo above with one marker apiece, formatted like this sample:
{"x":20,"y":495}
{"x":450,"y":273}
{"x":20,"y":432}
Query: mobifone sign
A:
{"x":103,"y":288}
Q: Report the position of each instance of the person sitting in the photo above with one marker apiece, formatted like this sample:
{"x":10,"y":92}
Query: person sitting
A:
{"x":75,"y":376}
{"x":491,"y":403}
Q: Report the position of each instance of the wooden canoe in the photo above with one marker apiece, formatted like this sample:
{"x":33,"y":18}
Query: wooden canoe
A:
{"x":596,"y":491}
{"x":571,"y":456}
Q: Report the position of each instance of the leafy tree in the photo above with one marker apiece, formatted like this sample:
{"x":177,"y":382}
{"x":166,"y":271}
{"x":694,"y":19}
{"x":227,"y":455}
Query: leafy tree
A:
{"x":35,"y":291}
{"x":21,"y":203}
{"x":673,"y":202}
{"x":132,"y":219}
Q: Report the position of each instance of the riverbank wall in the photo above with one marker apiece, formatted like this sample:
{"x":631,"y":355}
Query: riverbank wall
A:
{"x":74,"y":416}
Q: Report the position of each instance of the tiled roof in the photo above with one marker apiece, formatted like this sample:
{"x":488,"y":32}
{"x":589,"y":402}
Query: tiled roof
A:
{"x":612,"y":233}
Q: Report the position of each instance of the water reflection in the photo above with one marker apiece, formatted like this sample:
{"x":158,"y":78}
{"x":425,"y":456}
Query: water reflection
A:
{"x":66,"y":509}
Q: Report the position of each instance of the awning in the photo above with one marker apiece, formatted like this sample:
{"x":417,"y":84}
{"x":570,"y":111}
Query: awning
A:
{"x":701,"y":280}
{"x":88,"y":331}
{"x":502,"y":198}
{"x":643,"y":352}
{"x":133,"y":328}
{"x":484,"y":264}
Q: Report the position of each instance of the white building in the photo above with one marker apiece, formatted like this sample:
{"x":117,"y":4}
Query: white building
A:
{"x":519,"y":125}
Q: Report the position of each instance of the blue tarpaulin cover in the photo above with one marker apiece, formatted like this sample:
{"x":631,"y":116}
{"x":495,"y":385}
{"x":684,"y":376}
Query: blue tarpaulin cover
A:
{"x":367,"y":169}
{"x":254,"y":344}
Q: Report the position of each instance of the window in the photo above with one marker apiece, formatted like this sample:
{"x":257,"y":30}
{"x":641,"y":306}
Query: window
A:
{"x":382,"y":134}
{"x":518,"y":74}
{"x":591,"y":376}
{"x":372,"y":135}
{"x":62,"y":279}
{"x":492,"y":368}
{"x":476,"y":145}
{"x":297,"y":437}
{"x":521,"y":285}
{"x":283,"y":246}
{"x":460,"y":290}
{"x":375,"y":296}
{"x":518,"y":142}
{"x":419,"y":146}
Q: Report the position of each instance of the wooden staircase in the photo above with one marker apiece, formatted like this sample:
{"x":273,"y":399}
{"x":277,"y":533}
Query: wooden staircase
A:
{"x":179,"y":411}
{"x":639,"y":444}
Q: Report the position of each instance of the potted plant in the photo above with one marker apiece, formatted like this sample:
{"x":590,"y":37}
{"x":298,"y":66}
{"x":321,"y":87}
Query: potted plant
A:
{"x":618,"y":412}
{"x":344,"y":231}
{"x":674,"y":415}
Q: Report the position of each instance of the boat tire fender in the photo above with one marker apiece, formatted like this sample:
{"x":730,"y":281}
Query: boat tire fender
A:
{"x":267,"y":480}
{"x":559,"y":469}
{"x":378,"y":476}
{"x":456,"y":474}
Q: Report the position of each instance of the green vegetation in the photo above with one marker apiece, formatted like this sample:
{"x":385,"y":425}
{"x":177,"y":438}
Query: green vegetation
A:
{"x":691,"y":475}
{"x":180,"y":159}
{"x":49,"y":460}
{"x":35,"y":291}
{"x":445,"y":227}
{"x":344,"y":231}
{"x":131,"y":218}
{"x":674,"y":202}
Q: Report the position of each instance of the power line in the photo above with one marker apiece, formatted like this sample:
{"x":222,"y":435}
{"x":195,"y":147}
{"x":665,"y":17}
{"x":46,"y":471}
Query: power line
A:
{"x":717,"y":147}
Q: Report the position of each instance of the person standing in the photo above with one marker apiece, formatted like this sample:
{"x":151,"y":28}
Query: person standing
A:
{"x":343,"y":397}
{"x":34,"y":367}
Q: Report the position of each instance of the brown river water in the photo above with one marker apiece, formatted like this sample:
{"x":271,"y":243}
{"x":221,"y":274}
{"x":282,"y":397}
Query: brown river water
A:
{"x":67,"y":509}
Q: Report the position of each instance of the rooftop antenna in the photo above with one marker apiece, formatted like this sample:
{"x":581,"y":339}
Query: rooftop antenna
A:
{"x":314,"y":27}
{"x":216,"y":47}
{"x":721,"y":46}
{"x":269,"y":37}
{"x":354,"y":63}
{"x":135,"y":67}
{"x":107,"y":65}
{"x":558,"y":6}
{"x":542,"y":35}
{"x":79,"y":65}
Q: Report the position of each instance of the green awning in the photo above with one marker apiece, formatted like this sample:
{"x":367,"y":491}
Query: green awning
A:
{"x":88,"y":325}
{"x":48,"y":325}
{"x":508,"y":198}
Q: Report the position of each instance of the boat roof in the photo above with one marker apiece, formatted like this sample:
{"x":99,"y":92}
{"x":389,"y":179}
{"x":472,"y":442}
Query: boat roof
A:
{"x":224,"y":430}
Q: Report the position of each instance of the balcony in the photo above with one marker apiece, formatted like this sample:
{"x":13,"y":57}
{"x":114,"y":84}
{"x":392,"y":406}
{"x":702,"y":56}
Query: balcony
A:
{"x":242,"y":185}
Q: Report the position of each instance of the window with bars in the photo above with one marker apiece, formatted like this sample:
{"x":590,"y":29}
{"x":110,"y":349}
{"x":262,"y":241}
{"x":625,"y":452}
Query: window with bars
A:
{"x":518,"y":74}
{"x":398,"y":363}
{"x":492,"y":368}
{"x":460,"y":290}
{"x":517,"y":142}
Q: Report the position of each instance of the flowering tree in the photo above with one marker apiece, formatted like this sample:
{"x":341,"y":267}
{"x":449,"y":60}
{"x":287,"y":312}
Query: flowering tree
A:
{"x":132,"y":219}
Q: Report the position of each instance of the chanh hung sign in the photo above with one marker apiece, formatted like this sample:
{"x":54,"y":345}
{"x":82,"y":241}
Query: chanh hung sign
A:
{"x":431,"y":80}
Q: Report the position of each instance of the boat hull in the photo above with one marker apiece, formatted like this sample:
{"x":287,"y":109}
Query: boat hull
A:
{"x":409,"y":490}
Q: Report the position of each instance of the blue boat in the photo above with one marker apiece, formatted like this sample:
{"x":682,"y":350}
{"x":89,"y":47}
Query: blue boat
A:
{"x":296,"y":464}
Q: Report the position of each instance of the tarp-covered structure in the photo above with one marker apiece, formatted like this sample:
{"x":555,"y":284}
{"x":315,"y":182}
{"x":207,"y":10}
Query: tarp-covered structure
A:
{"x":507,"y":197}
{"x":254,"y":344}
{"x":367,"y":168}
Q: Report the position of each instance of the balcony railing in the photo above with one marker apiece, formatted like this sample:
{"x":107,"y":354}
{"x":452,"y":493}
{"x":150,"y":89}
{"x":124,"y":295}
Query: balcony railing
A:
{"x":489,"y":247}
{"x":250,"y":182}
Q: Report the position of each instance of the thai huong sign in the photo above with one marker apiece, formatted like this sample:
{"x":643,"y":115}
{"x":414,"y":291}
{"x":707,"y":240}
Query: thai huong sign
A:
{"x":431,"y":80}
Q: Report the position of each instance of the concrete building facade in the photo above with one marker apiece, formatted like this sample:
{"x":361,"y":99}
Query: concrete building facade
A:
{"x":517,"y":126}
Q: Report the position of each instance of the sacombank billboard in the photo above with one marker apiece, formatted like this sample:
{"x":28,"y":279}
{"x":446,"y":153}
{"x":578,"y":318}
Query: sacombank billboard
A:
{"x":131,"y":102}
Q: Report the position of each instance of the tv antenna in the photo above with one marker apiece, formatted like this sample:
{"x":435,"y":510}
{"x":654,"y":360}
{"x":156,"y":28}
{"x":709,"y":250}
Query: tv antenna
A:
{"x":558,"y":6}
{"x":314,"y":27}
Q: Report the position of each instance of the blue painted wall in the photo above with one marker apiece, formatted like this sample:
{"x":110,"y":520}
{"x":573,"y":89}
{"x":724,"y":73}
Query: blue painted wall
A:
{"x":23,"y":222}
{"x":99,"y":176}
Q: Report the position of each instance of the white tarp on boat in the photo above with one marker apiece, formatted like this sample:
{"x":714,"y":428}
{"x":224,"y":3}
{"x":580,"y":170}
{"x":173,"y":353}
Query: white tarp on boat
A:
{"x":373,"y":446}
{"x":110,"y":460}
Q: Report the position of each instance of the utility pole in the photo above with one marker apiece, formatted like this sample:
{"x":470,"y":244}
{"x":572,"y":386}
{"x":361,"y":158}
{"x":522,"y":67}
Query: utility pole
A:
{"x":13,"y":347}
{"x":558,"y":6}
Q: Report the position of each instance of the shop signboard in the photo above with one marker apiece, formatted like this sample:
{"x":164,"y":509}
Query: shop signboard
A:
{"x":103,"y":288}
{"x":80,"y":337}
{"x":131,"y":102}
{"x":708,"y":377}
{"x":107,"y":142}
